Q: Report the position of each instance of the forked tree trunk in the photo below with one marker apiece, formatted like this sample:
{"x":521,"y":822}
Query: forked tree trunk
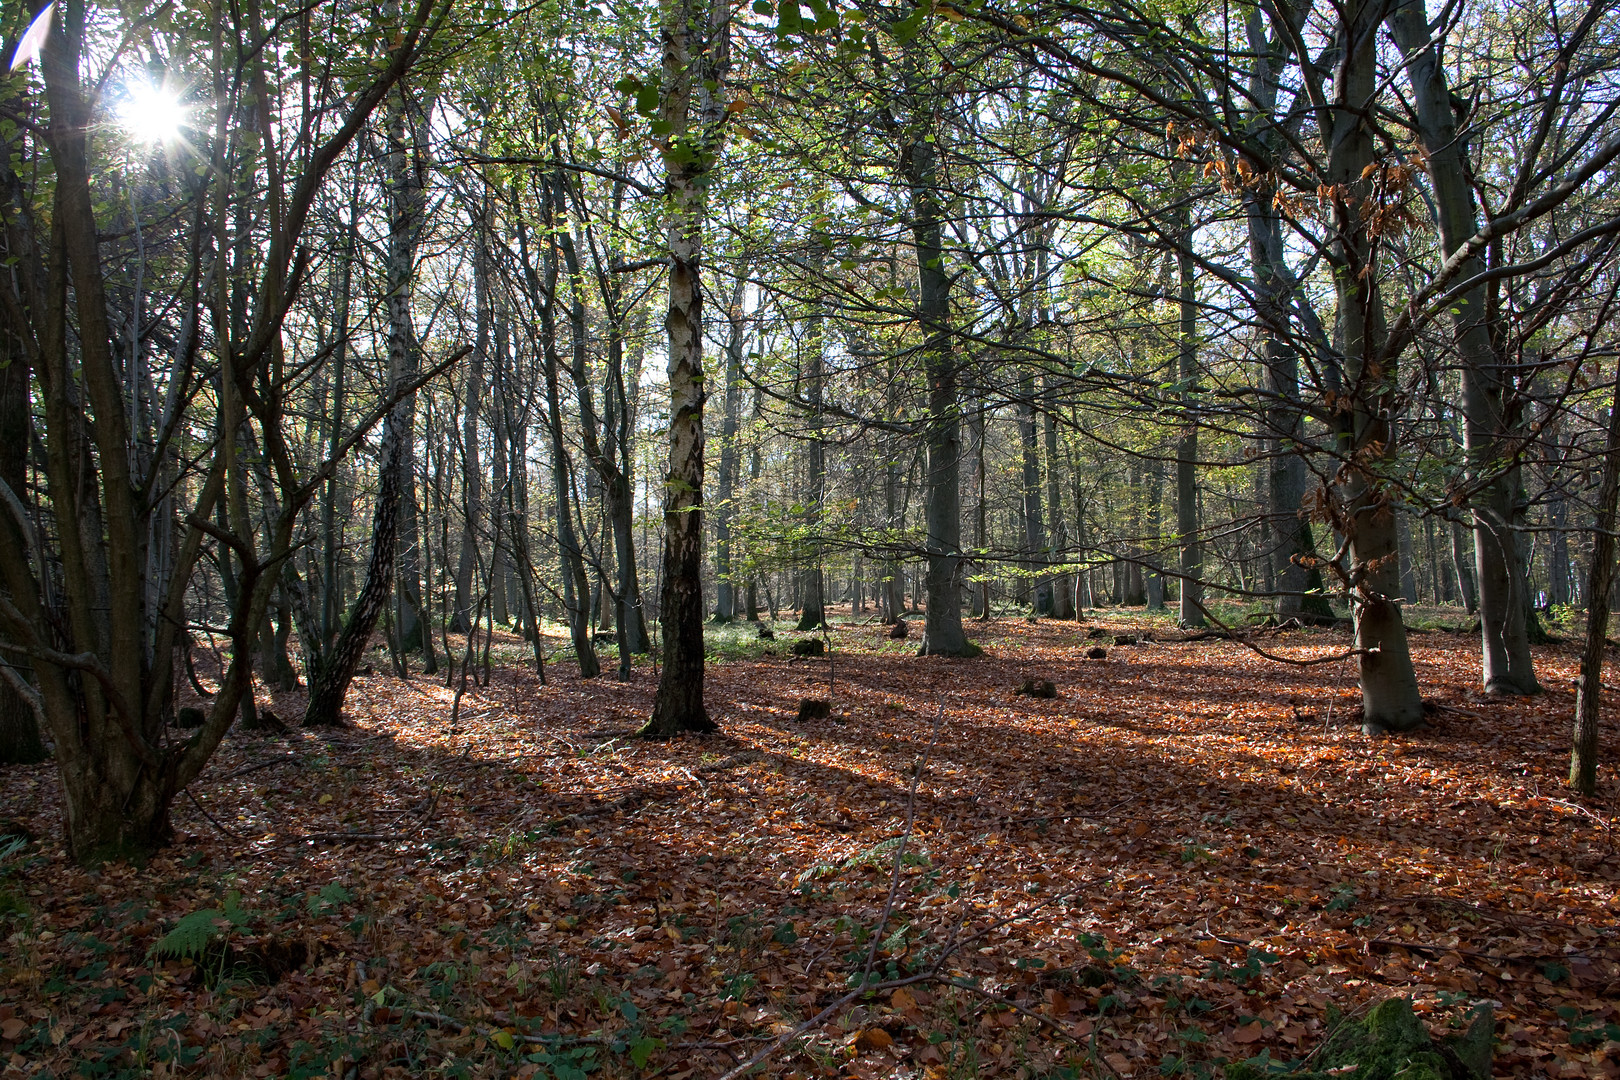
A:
{"x":1366,"y":439}
{"x":329,"y":686}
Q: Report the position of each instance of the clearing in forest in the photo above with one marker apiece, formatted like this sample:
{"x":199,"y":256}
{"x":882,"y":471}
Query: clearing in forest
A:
{"x":1190,"y":856}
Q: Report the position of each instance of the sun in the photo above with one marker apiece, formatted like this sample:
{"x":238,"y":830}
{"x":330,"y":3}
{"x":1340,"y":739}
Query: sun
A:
{"x":151,"y":114}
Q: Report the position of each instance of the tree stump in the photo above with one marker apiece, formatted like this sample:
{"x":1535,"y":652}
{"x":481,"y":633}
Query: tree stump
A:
{"x":814,"y":709}
{"x":1036,"y":688}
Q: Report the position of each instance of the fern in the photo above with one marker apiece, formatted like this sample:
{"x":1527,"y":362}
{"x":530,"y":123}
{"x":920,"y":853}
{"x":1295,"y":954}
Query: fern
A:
{"x":194,"y":933}
{"x":329,"y":898}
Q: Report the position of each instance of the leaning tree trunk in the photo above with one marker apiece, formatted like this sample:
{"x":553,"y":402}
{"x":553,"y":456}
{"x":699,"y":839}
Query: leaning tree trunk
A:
{"x":330,"y":685}
{"x":697,"y":54}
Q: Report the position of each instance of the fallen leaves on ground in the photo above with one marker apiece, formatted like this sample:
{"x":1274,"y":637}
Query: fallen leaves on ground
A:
{"x":1190,"y":856}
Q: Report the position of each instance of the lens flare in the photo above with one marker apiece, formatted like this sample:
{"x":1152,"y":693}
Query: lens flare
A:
{"x":151,"y":114}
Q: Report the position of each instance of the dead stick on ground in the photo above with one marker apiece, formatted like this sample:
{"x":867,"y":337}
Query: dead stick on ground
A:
{"x":210,"y":817}
{"x":820,"y":1018}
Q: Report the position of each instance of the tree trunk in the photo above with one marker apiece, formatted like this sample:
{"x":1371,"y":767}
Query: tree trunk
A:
{"x":330,"y":685}
{"x":1035,"y":548}
{"x":813,"y":613}
{"x":1063,"y":583}
{"x":697,"y":54}
{"x":725,"y":605}
{"x":1366,"y":438}
{"x":472,"y":476}
{"x":1503,"y":592}
{"x":1600,"y":577}
{"x":1191,"y":611}
{"x":576,"y":584}
{"x":20,"y":742}
{"x":942,"y":627}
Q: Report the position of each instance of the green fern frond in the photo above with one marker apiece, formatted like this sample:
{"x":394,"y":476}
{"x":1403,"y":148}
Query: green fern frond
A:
{"x":191,"y":936}
{"x":194,"y":933}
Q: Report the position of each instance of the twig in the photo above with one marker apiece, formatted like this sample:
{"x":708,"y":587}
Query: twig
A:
{"x":821,"y":1018}
{"x":1296,"y":661}
{"x":1001,"y":999}
{"x":210,"y":817}
{"x":244,"y":770}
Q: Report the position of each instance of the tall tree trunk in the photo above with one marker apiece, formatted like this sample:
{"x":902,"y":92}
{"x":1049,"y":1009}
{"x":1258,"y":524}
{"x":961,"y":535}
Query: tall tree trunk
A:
{"x":1036,"y":554}
{"x":697,"y":55}
{"x":20,"y":741}
{"x":576,"y":592}
{"x":1063,"y":583}
{"x":942,"y":628}
{"x":813,"y":612}
{"x":1366,"y":438}
{"x":472,"y":475}
{"x":407,"y":178}
{"x":1503,"y":592}
{"x":725,"y":604}
{"x":1191,"y":547}
{"x":1600,"y":579}
{"x":330,"y":685}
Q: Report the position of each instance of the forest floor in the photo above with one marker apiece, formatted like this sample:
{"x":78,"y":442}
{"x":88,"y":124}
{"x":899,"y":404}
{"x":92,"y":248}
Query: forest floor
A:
{"x":1190,"y":856}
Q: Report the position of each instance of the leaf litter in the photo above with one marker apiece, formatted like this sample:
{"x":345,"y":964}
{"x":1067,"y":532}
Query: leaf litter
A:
{"x":1190,"y":856}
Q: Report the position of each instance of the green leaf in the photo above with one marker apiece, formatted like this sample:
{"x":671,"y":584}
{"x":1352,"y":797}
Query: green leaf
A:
{"x":643,"y":1049}
{"x":763,"y":7}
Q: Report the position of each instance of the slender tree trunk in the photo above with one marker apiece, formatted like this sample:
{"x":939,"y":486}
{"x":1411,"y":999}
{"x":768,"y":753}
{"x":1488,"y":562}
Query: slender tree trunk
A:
{"x":725,"y":606}
{"x":330,"y":685}
{"x":813,"y":612}
{"x":1462,"y":565}
{"x":1191,"y":547}
{"x":697,"y":54}
{"x":20,"y":741}
{"x":472,"y":475}
{"x":1035,"y":547}
{"x":576,"y":584}
{"x":1600,"y":578}
{"x":1063,"y":583}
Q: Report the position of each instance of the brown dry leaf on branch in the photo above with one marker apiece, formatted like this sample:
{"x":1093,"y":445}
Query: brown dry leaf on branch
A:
{"x":1179,"y":861}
